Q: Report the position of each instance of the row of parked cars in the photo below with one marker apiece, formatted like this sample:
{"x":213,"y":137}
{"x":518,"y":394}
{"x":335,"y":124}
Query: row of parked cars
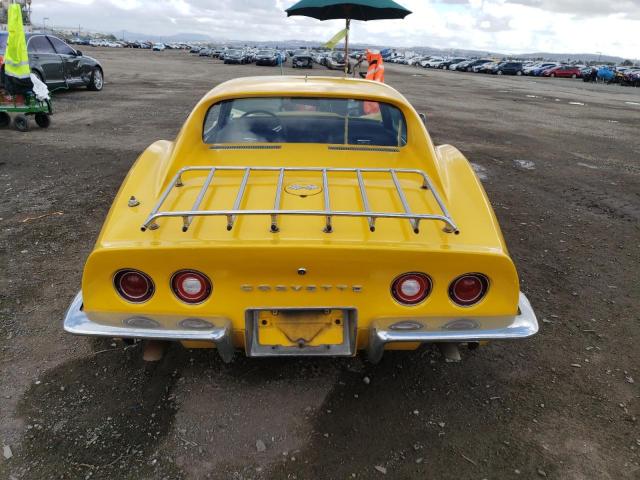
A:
{"x":505,"y":67}
{"x":260,"y":56}
{"x":623,"y":75}
{"x":145,"y":45}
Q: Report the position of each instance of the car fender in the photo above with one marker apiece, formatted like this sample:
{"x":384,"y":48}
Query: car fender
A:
{"x":86,"y":66}
{"x":144,"y":181}
{"x":467,"y":198}
{"x":40,"y":71}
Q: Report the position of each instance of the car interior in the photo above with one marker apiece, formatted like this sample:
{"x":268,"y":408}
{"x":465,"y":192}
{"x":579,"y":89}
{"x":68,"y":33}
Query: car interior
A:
{"x":304,"y":120}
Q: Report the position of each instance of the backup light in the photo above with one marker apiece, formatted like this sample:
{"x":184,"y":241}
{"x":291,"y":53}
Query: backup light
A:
{"x":191,"y":286}
{"x":411,"y":288}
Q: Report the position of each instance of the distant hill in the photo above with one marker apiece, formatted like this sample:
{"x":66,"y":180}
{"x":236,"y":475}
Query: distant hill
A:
{"x":586,"y":57}
{"x":176,"y":38}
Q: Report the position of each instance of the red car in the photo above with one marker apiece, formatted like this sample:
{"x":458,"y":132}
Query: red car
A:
{"x":565,"y":71}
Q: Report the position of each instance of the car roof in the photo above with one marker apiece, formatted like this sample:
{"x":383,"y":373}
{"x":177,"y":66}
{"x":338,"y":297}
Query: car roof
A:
{"x":305,"y":86}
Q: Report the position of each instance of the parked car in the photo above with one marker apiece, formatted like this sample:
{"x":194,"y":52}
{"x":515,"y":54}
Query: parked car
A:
{"x":451,"y":61}
{"x":235,"y":56}
{"x":529,"y":69}
{"x":485,"y":67}
{"x":433,"y":62}
{"x":563,"y":71}
{"x":57,"y":64}
{"x":336,"y":61}
{"x":471,"y":64}
{"x":509,"y":68}
{"x":204,"y":52}
{"x":302,"y":59}
{"x":287,"y":278}
{"x":631,"y":77}
{"x":267,"y":57}
{"x":537,"y":71}
{"x":195,"y":49}
{"x":460,"y":66}
{"x":158,"y":47}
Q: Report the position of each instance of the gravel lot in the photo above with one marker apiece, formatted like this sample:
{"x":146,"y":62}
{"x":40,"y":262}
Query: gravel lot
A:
{"x":560,"y":162}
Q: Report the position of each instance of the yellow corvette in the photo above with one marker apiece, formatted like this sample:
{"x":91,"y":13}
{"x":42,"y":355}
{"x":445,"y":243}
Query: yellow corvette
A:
{"x":302,"y":216}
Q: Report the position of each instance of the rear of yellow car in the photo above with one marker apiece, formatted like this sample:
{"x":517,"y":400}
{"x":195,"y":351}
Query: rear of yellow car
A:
{"x":284,"y":248}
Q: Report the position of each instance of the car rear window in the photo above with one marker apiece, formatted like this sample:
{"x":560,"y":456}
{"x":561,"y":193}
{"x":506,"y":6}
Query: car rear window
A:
{"x":339,"y":121}
{"x":3,"y":41}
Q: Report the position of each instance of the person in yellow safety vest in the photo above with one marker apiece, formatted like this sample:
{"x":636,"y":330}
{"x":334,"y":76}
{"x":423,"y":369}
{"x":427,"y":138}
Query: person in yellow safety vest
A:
{"x":17,"y":72}
{"x":375,"y":71}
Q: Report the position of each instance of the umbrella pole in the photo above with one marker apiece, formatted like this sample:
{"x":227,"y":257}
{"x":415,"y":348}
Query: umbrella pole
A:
{"x":346,"y":49}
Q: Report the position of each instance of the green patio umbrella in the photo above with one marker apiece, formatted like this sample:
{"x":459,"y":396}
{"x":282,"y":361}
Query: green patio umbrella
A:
{"x":349,"y":10}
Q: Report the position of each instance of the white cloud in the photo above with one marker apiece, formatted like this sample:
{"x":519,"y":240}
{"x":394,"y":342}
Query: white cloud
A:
{"x":514,"y":26}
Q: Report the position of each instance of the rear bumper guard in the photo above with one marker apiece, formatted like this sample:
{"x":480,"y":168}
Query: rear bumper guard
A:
{"x":150,"y":327}
{"x":455,"y":330}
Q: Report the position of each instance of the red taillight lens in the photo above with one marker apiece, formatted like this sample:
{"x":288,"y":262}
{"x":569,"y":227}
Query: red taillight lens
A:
{"x":411,"y":288}
{"x":133,"y":285}
{"x":190,"y":286}
{"x":468,"y":289}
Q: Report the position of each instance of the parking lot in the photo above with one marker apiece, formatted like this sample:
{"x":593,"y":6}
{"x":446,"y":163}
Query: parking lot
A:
{"x":559,"y":159}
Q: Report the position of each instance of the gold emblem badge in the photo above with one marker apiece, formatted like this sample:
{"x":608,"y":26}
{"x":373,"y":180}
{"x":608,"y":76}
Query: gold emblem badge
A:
{"x":303,"y":189}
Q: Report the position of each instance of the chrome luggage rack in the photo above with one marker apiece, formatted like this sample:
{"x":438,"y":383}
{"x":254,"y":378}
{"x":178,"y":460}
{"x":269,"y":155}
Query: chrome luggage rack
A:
{"x":328,"y":213}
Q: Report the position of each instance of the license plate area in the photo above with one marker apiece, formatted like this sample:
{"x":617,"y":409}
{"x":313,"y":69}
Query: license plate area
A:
{"x":295,"y":331}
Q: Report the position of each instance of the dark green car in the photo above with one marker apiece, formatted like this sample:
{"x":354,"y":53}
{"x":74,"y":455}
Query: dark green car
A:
{"x":57,"y":64}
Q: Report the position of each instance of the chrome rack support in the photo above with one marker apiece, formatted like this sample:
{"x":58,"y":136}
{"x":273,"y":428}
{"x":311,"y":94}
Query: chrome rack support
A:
{"x":449,"y":227}
{"x":414,"y":222}
{"x":236,"y":206}
{"x":276,"y":206}
{"x":327,"y":207}
{"x":187,"y":220}
{"x":365,"y":201}
{"x":150,"y":222}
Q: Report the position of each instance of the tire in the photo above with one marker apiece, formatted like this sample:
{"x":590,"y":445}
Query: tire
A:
{"x":499,"y":72}
{"x":21,"y":122}
{"x":97,"y":80}
{"x":574,"y":76}
{"x":519,"y":73}
{"x":5,"y":120}
{"x":43,"y":120}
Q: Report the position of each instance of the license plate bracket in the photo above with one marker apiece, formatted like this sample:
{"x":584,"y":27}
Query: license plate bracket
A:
{"x":300,"y":332}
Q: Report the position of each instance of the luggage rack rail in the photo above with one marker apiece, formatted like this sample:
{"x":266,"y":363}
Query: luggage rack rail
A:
{"x":371,"y":216}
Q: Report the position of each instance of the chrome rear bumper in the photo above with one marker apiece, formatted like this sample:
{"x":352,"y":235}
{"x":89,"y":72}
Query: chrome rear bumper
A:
{"x":381,"y":332}
{"x":151,"y":327}
{"x":454,"y":330}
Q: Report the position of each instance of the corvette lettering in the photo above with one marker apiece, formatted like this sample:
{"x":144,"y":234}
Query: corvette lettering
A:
{"x":301,"y":288}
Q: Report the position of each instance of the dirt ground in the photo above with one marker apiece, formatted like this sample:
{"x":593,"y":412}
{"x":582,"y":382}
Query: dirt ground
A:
{"x":560,"y":160}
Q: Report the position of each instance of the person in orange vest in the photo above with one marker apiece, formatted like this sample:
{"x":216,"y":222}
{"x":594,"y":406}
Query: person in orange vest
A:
{"x":375,"y":71}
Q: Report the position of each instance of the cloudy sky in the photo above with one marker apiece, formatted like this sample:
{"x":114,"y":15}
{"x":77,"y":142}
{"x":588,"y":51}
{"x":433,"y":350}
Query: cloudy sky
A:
{"x":511,"y":26}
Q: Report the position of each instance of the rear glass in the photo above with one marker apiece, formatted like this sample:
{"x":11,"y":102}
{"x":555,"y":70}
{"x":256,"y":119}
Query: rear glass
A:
{"x":3,"y":41}
{"x":339,"y":121}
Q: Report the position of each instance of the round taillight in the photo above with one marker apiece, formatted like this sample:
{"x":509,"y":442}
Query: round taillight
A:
{"x":468,"y":289}
{"x":411,"y":288}
{"x":134,"y":286}
{"x":190,"y":286}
